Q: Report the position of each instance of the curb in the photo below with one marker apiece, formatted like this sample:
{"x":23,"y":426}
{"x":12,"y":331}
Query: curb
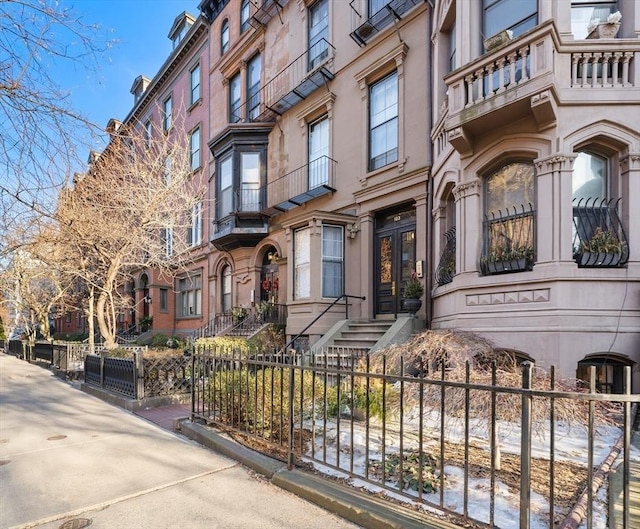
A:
{"x":358,"y":507}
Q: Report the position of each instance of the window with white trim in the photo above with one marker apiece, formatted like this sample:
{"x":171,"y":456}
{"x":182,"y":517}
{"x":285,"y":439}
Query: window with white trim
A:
{"x":195,"y":230}
{"x":168,"y":241}
{"x":302,"y":264}
{"x":318,"y":33}
{"x":319,"y":152}
{"x":225,"y":288}
{"x":332,"y":261}
{"x":148,"y":133}
{"x":383,"y":122}
{"x":225,"y":199}
{"x":190,"y":296}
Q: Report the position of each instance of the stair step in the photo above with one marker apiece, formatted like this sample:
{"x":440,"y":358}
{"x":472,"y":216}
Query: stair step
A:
{"x":361,"y":342}
{"x":362,"y":334}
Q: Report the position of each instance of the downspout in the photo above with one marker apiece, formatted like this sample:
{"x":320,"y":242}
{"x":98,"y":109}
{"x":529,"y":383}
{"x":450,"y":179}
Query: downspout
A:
{"x":429,"y":235}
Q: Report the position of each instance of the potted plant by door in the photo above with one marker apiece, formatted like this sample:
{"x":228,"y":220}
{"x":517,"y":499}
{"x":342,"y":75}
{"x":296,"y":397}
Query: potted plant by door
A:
{"x":413,"y":291}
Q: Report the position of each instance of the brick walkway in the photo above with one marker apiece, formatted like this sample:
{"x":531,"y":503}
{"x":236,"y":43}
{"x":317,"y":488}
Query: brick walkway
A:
{"x":164,"y":416}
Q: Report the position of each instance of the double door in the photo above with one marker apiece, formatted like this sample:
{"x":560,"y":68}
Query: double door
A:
{"x":395,"y":259}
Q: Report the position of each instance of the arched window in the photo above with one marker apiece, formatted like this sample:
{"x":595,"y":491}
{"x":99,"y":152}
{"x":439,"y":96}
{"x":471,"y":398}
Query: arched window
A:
{"x":224,"y":37}
{"x":609,"y":371}
{"x":225,"y":293}
{"x":509,"y":219}
{"x":598,"y":236}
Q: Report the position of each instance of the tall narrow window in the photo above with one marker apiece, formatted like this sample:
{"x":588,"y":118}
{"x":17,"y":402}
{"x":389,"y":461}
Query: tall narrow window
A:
{"x":254,"y":68}
{"x":517,"y":16}
{"x":250,"y":181}
{"x":224,"y":37}
{"x":452,"y":47}
{"x":234,"y":99}
{"x":319,"y":153}
{"x":195,"y":231}
{"x":164,"y":300}
{"x":302,"y":267}
{"x":509,"y":225}
{"x":225,"y":288}
{"x":194,"y":144}
{"x":244,"y":16}
{"x":190,"y":296}
{"x":167,"y":171}
{"x":332,"y":261}
{"x":148,"y":133}
{"x":195,"y":84}
{"x":318,"y":33}
{"x":225,"y":199}
{"x":383,"y":122}
{"x":168,"y":241}
{"x":166,"y":114}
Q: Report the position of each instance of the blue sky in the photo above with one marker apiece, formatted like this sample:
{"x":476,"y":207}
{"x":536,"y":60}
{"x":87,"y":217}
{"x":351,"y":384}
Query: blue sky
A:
{"x":139,"y":29}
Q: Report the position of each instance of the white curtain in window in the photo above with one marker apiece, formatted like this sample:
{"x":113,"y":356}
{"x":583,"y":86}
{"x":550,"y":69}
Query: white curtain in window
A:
{"x":302,"y":248}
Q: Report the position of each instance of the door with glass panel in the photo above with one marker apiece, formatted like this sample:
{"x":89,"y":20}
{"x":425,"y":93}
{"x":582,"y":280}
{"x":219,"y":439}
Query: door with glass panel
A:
{"x":318,"y":153}
{"x":394,"y":259}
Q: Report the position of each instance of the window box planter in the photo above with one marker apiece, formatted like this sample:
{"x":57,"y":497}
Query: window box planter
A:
{"x":502,"y":267}
{"x":599,"y":259}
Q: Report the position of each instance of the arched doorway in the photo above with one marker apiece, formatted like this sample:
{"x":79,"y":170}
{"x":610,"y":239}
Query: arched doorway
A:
{"x":269,"y":278}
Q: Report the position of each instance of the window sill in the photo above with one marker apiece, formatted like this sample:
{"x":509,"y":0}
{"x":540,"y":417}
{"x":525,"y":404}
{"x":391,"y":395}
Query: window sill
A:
{"x":194,"y":105}
{"x":398,"y":164}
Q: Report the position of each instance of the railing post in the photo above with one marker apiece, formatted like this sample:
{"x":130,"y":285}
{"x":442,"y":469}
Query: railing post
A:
{"x":290,"y":413}
{"x":525,"y":449}
{"x":102,"y":355}
{"x":138,"y":375}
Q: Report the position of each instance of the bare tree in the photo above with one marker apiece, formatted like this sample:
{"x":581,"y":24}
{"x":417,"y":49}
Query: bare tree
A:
{"x":132,"y":210}
{"x":40,"y":130}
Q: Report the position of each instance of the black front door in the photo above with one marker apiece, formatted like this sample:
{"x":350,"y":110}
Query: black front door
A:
{"x":395,"y":259}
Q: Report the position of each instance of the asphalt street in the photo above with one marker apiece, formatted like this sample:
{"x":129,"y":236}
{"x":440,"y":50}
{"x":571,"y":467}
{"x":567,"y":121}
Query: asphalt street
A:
{"x":69,"y":460}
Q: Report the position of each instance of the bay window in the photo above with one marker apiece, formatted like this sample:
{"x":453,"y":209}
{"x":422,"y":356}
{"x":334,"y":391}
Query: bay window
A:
{"x":302,"y":263}
{"x":332,"y":261}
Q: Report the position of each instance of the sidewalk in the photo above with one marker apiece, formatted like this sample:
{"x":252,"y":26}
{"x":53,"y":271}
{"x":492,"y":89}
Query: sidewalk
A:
{"x":68,"y":459}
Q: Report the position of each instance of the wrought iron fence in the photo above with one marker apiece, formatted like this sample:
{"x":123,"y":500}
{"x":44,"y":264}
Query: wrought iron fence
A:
{"x":473,"y":449}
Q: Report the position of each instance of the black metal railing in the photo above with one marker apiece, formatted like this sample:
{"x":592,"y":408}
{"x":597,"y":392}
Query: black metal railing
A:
{"x":447,"y":266}
{"x":508,"y":241}
{"x":599,"y":240}
{"x":390,"y":13}
{"x":294,"y":83}
{"x":243,"y":320}
{"x":428,"y":438}
{"x":312,"y":180}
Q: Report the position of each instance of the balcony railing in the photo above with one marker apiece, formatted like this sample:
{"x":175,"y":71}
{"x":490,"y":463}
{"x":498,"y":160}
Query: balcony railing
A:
{"x":297,"y":81}
{"x":389,"y":14}
{"x":533,"y":73}
{"x":508,"y":241}
{"x":599,"y":240}
{"x":310,"y":181}
{"x":447,"y":265}
{"x":266,"y":11}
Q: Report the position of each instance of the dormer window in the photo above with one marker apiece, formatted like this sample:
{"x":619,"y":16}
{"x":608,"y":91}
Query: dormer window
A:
{"x":181,"y":26}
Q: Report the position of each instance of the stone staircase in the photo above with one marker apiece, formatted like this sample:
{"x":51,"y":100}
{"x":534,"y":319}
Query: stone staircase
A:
{"x":362,"y":334}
